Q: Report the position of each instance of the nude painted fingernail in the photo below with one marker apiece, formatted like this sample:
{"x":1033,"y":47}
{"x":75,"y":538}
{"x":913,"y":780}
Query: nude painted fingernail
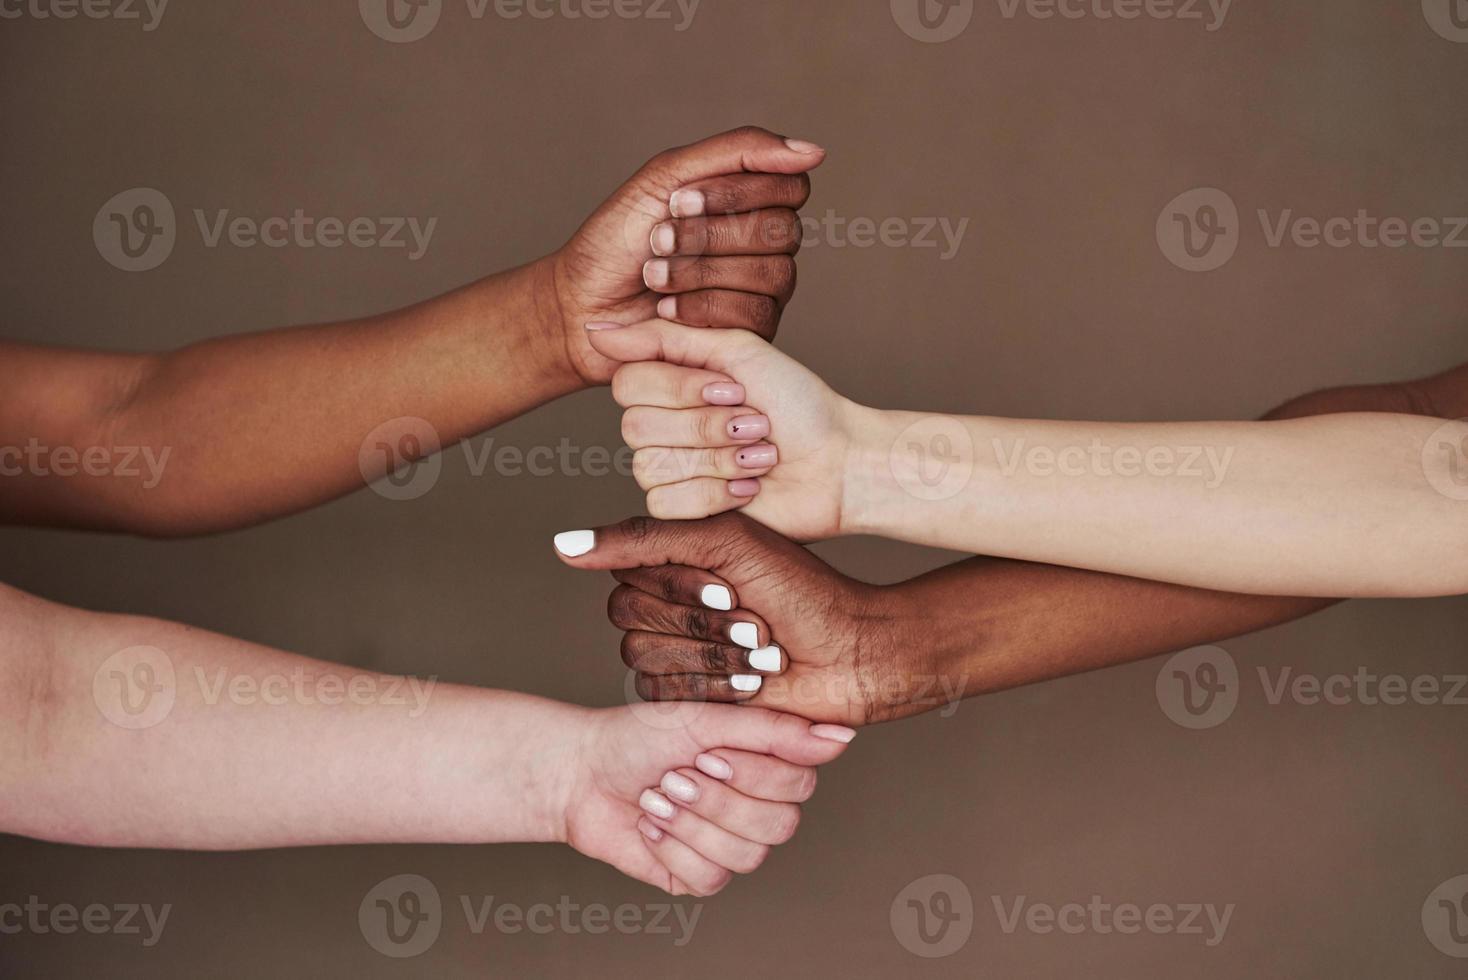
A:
{"x":750,"y":427}
{"x":657,"y":804}
{"x":744,"y":488}
{"x":766,"y":659}
{"x":803,"y":146}
{"x":713,"y":766}
{"x":757,"y":457}
{"x":574,"y":544}
{"x":746,"y":683}
{"x":650,"y":830}
{"x":680,"y":787}
{"x":716,"y":597}
{"x":686,"y":204}
{"x":664,"y":239}
{"x":604,"y":325}
{"x":745,"y":635}
{"x":668,"y":307}
{"x":724,"y":393}
{"x":656,"y":273}
{"x":833,"y":733}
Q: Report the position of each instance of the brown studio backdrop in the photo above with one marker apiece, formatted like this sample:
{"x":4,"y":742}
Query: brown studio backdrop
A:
{"x":1060,"y":141}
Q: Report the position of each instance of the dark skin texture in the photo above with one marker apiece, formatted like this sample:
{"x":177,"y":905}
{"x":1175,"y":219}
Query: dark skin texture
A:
{"x":858,"y":654}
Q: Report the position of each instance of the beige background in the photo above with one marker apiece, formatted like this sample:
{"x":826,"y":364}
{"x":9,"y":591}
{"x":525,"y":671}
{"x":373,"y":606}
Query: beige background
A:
{"x":1061,"y":141}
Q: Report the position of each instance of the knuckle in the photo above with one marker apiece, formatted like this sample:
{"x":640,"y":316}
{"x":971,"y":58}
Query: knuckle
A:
{"x":711,"y":658}
{"x":634,"y":425}
{"x":784,"y":824}
{"x":619,"y":607}
{"x":714,"y":883}
{"x":751,"y":859}
{"x":806,"y":787}
{"x":660,"y":504}
{"x":706,"y":429}
{"x":695,"y":622}
{"x":639,"y":530}
{"x":632,"y":653}
{"x":760,"y":311}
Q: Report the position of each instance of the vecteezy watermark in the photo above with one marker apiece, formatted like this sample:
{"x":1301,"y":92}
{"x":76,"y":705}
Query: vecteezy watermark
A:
{"x":136,"y":230}
{"x":1445,"y":917}
{"x":1449,"y":18}
{"x":832,"y":230}
{"x":933,"y":458}
{"x":1200,"y":230}
{"x":404,"y":915}
{"x":933,"y":916}
{"x":1445,"y":459}
{"x":1206,"y":463}
{"x":401,"y":459}
{"x":147,"y":12}
{"x":39,"y":918}
{"x":405,"y":21}
{"x":1102,"y":918}
{"x":936,"y":21}
{"x":1200,"y":688}
{"x":137,"y":688}
{"x":142,"y":463}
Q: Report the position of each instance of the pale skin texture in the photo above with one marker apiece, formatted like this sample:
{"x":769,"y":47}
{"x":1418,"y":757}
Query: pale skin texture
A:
{"x":1341,"y":505}
{"x":859,"y":653}
{"x":254,"y":753}
{"x":262,"y":425}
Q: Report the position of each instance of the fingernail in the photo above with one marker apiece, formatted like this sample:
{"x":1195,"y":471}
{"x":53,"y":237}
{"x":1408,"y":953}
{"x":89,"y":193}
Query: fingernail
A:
{"x":746,"y":683}
{"x":724,"y":393}
{"x":604,"y":325}
{"x":834,"y":733}
{"x":664,"y":239}
{"x":716,"y":597}
{"x":766,"y":659}
{"x":744,"y":488}
{"x":750,"y":427}
{"x":657,"y":804}
{"x":680,"y":787}
{"x":803,"y":146}
{"x":655,"y":273}
{"x":713,"y":766}
{"x":651,"y":832}
{"x":686,"y":204}
{"x":745,"y":635}
{"x":757,"y":457}
{"x":668,"y":307}
{"x":574,"y":544}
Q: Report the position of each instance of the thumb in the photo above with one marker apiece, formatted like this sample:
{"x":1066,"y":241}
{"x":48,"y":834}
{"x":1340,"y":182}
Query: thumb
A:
{"x":717,"y":544}
{"x":659,"y":340}
{"x":746,"y":150}
{"x":767,"y":732}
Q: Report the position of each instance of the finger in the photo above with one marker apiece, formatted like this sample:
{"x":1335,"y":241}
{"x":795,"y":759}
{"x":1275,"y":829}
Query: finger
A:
{"x":771,"y":231}
{"x":720,"y":805}
{"x":659,"y":385}
{"x":761,"y":776}
{"x":714,"y":688}
{"x":732,"y":547}
{"x":693,"y":500}
{"x":658,"y":654}
{"x":749,"y":149}
{"x":772,"y":275}
{"x":693,"y":874}
{"x":630,"y":608}
{"x":657,"y":467}
{"x":659,"y":340}
{"x":771,"y":733}
{"x":712,"y":425}
{"x":681,"y":584}
{"x":719,"y":845}
{"x":723,"y":308}
{"x":736,"y":193}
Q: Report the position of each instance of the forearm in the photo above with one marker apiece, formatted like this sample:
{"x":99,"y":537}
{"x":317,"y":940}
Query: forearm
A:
{"x":246,"y":747}
{"x":1330,"y":506}
{"x":239,"y":430}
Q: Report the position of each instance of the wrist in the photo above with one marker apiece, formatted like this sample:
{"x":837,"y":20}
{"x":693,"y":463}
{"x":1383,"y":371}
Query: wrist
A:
{"x":552,"y":338}
{"x":869,"y":484}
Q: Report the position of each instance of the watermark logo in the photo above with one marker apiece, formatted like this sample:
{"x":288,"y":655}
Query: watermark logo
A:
{"x":1199,"y":688}
{"x":148,"y":12}
{"x":401,"y":21}
{"x":1207,"y":464}
{"x":1449,"y":18}
{"x":400,"y":458}
{"x":1445,"y":917}
{"x":1102,"y":918}
{"x":1445,"y":460}
{"x":933,"y":458}
{"x":401,"y":916}
{"x":135,"y":230}
{"x":135,"y":688}
{"x":64,"y":919}
{"x":933,"y":917}
{"x":663,"y":716}
{"x":933,"y":21}
{"x":1199,"y":230}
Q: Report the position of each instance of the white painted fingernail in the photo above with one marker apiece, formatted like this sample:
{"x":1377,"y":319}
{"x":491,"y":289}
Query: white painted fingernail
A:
{"x":680,"y":787}
{"x":713,"y":596}
{"x":745,"y":634}
{"x":712,"y":765}
{"x":766,"y":659}
{"x":574,"y":544}
{"x":746,"y":683}
{"x":657,"y":804}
